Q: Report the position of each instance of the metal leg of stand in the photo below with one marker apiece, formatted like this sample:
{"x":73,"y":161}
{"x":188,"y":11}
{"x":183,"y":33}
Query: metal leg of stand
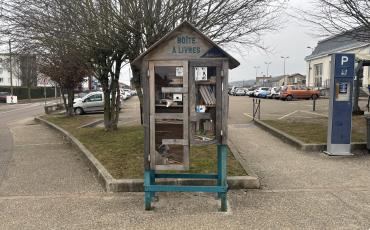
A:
{"x":148,"y":179}
{"x":222,"y":174}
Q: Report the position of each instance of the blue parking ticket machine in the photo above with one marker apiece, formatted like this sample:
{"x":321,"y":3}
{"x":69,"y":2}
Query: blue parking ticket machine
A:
{"x":340,"y":105}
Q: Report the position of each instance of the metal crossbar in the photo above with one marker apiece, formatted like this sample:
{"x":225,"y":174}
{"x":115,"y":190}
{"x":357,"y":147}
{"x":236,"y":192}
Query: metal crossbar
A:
{"x":220,"y":178}
{"x":256,"y":109}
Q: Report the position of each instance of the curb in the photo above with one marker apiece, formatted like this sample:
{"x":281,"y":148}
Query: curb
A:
{"x":137,"y":185}
{"x":299,"y":144}
{"x":91,"y":124}
{"x":238,"y":157}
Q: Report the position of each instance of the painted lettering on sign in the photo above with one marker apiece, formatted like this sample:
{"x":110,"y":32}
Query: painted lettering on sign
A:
{"x":186,"y":45}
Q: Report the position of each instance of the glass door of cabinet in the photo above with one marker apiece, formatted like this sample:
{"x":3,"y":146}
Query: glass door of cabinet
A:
{"x":169,"y":111}
{"x":205,"y":83}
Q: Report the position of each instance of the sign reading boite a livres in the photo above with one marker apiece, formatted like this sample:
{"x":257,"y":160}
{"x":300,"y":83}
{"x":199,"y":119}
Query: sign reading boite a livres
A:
{"x":340,"y":106}
{"x":185,"y":44}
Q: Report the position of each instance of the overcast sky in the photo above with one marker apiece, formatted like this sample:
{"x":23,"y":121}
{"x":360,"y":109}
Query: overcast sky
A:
{"x":292,"y":40}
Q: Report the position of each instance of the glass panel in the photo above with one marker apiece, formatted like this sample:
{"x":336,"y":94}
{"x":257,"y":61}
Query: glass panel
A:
{"x":168,"y":83}
{"x":168,"y":153}
{"x":168,"y":77}
{"x":204,"y":126}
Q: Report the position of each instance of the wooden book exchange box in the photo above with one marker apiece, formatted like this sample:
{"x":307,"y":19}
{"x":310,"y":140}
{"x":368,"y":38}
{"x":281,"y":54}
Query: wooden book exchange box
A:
{"x":184,"y":79}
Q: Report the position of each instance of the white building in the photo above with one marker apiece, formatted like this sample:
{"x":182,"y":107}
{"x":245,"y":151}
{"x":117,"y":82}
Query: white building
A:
{"x":319,"y":62}
{"x":5,"y":73}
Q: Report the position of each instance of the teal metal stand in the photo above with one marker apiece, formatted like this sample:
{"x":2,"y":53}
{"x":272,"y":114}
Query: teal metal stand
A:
{"x":221,"y":187}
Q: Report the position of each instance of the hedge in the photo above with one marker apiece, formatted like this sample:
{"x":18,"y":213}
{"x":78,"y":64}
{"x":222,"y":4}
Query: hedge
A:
{"x":36,"y":92}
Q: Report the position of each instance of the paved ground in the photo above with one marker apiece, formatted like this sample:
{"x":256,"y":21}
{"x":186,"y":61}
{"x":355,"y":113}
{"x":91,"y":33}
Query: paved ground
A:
{"x":275,"y":109}
{"x":46,"y":186}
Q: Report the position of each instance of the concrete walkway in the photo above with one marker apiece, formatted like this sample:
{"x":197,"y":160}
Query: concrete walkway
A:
{"x":322,"y":191}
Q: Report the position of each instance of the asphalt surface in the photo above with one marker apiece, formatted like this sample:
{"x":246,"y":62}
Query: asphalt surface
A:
{"x":47,"y":186}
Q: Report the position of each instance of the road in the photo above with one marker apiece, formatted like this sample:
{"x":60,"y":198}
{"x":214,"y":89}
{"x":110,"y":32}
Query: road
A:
{"x":9,"y":114}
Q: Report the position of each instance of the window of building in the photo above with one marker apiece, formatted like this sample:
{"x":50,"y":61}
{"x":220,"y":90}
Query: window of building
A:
{"x":318,"y":74}
{"x":1,"y":70}
{"x":1,"y":79}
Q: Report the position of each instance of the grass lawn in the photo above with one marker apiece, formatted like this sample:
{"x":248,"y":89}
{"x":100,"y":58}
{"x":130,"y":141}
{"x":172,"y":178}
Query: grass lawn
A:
{"x":315,"y":131}
{"x":121,"y":151}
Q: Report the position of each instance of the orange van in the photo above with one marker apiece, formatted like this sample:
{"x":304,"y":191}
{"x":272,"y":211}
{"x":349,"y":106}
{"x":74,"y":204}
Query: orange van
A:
{"x":291,"y":92}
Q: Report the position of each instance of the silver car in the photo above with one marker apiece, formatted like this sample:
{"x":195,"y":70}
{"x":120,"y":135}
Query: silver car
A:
{"x":92,"y":102}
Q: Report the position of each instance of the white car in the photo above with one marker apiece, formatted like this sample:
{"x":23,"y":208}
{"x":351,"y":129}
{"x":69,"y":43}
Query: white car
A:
{"x":128,"y":92}
{"x":92,"y":102}
{"x":259,"y":90}
{"x":274,"y":93}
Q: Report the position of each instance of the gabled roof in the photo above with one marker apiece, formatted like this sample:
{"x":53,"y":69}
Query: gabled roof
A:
{"x":338,"y":43}
{"x":210,"y":53}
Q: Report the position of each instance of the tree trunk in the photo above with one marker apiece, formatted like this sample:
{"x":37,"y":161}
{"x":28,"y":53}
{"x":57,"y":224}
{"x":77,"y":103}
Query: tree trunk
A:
{"x":356,"y":91}
{"x":69,"y":108}
{"x":29,"y":93}
{"x":107,"y":105}
{"x":137,"y":84}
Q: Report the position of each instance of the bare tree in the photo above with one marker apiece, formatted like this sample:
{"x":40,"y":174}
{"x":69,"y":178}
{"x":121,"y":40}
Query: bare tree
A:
{"x":108,"y":33}
{"x":231,"y":22}
{"x":350,"y":19}
{"x":68,"y":73}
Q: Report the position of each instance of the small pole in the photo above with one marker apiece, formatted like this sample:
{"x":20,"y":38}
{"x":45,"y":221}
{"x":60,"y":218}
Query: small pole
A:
{"x":259,"y":109}
{"x":10,"y":68}
{"x":45,"y":90}
{"x":253,"y":109}
{"x":314,"y":104}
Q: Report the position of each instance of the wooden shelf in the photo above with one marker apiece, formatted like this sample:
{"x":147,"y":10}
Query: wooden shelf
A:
{"x":204,"y":83}
{"x":171,"y":106}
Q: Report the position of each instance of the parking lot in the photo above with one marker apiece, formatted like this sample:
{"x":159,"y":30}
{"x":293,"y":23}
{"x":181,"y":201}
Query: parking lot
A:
{"x":241,"y":108}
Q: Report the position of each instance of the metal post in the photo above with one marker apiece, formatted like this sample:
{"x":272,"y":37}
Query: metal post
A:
{"x":10,"y":68}
{"x":45,"y":90}
{"x":285,"y":77}
{"x":314,"y":104}
{"x":253,"y":109}
{"x":222,"y":174}
{"x":148,"y":178}
{"x":259,"y":109}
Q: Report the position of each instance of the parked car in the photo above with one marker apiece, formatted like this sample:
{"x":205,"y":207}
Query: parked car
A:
{"x":231,"y":90}
{"x":261,"y":92}
{"x":251,"y":92}
{"x":291,"y":92}
{"x":3,"y":96}
{"x":128,"y":92}
{"x":239,"y":92}
{"x":274,"y":93}
{"x":92,"y":102}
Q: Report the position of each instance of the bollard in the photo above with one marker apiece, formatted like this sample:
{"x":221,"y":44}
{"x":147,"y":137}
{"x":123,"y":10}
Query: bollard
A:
{"x":314,"y":104}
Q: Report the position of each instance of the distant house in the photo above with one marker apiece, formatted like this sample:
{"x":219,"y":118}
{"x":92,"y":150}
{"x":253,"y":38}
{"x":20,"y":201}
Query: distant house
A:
{"x":292,"y":79}
{"x":276,"y":81}
{"x":5,"y":71}
{"x":319,"y":62}
{"x":262,"y":81}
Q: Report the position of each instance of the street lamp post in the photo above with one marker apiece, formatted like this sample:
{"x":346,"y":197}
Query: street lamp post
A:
{"x":267,"y":71}
{"x":309,"y":68}
{"x":256,"y":68}
{"x":10,"y":68}
{"x":267,"y":68}
{"x":285,"y":78}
